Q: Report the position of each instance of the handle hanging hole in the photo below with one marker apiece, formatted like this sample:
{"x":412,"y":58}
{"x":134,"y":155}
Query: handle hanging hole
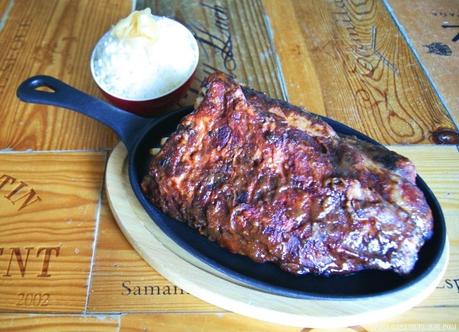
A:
{"x":45,"y":88}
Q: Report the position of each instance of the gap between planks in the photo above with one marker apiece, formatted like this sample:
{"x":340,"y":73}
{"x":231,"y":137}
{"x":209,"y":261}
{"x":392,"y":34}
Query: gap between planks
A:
{"x":94,"y":243}
{"x":6,"y":14}
{"x":278,"y":63}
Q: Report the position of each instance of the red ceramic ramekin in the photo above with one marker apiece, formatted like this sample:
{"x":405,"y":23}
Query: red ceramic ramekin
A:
{"x":147,"y":107}
{"x":150,"y":107}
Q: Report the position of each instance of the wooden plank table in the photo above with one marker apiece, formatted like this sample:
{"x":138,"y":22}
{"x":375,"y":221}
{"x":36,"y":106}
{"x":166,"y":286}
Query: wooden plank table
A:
{"x":65,"y":265}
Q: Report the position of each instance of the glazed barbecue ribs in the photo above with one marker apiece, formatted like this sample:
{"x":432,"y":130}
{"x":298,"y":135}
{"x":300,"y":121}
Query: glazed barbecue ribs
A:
{"x":270,"y":181}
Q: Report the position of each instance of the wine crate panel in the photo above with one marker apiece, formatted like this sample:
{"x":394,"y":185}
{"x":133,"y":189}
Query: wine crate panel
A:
{"x":48,"y":210}
{"x":432,"y":27}
{"x":417,"y":319}
{"x":123,"y":281}
{"x":348,"y":60}
{"x":226,"y":322}
{"x":39,"y":323}
{"x":233,"y":37}
{"x":52,"y":37}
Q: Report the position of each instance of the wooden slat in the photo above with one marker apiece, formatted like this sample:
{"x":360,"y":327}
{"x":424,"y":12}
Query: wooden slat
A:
{"x":301,"y":77}
{"x":48,"y":208}
{"x":36,"y":323}
{"x":426,"y":35}
{"x":122,"y":281}
{"x":418,"y":319}
{"x":53,"y":37}
{"x":232,"y":37}
{"x":198,"y":322}
{"x":347,"y":60}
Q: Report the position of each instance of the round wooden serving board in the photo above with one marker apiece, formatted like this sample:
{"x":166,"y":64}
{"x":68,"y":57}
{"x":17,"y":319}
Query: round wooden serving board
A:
{"x":189,"y":273}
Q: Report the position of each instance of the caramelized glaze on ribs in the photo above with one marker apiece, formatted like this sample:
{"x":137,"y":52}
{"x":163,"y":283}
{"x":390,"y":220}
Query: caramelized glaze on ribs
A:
{"x":267,"y":180}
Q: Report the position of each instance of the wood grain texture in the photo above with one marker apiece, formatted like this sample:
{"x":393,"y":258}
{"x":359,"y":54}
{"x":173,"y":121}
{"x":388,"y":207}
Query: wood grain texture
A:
{"x":180,"y":267}
{"x":117,"y":263}
{"x":301,"y":78}
{"x":47,"y":323}
{"x":420,"y":319}
{"x":350,"y":57}
{"x":442,"y":65}
{"x":417,"y":319}
{"x":52,"y":37}
{"x":48,"y":209}
{"x":232,"y":37}
{"x":225,"y":322}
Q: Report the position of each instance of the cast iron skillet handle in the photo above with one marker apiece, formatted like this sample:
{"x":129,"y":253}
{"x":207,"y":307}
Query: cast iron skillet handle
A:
{"x":125,"y":124}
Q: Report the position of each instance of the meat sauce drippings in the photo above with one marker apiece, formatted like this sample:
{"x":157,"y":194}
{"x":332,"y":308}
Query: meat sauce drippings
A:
{"x":267,"y":180}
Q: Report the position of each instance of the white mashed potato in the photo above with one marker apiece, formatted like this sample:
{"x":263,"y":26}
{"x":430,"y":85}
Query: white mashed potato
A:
{"x":144,"y":56}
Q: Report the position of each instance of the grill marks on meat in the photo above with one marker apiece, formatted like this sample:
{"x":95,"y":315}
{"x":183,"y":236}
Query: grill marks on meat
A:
{"x":267,"y":180}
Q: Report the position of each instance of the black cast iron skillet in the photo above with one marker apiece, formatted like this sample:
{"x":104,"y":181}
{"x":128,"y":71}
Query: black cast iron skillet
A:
{"x":141,"y":134}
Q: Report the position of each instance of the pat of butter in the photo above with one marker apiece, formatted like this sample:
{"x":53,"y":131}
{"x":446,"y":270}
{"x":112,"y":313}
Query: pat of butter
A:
{"x":137,"y":24}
